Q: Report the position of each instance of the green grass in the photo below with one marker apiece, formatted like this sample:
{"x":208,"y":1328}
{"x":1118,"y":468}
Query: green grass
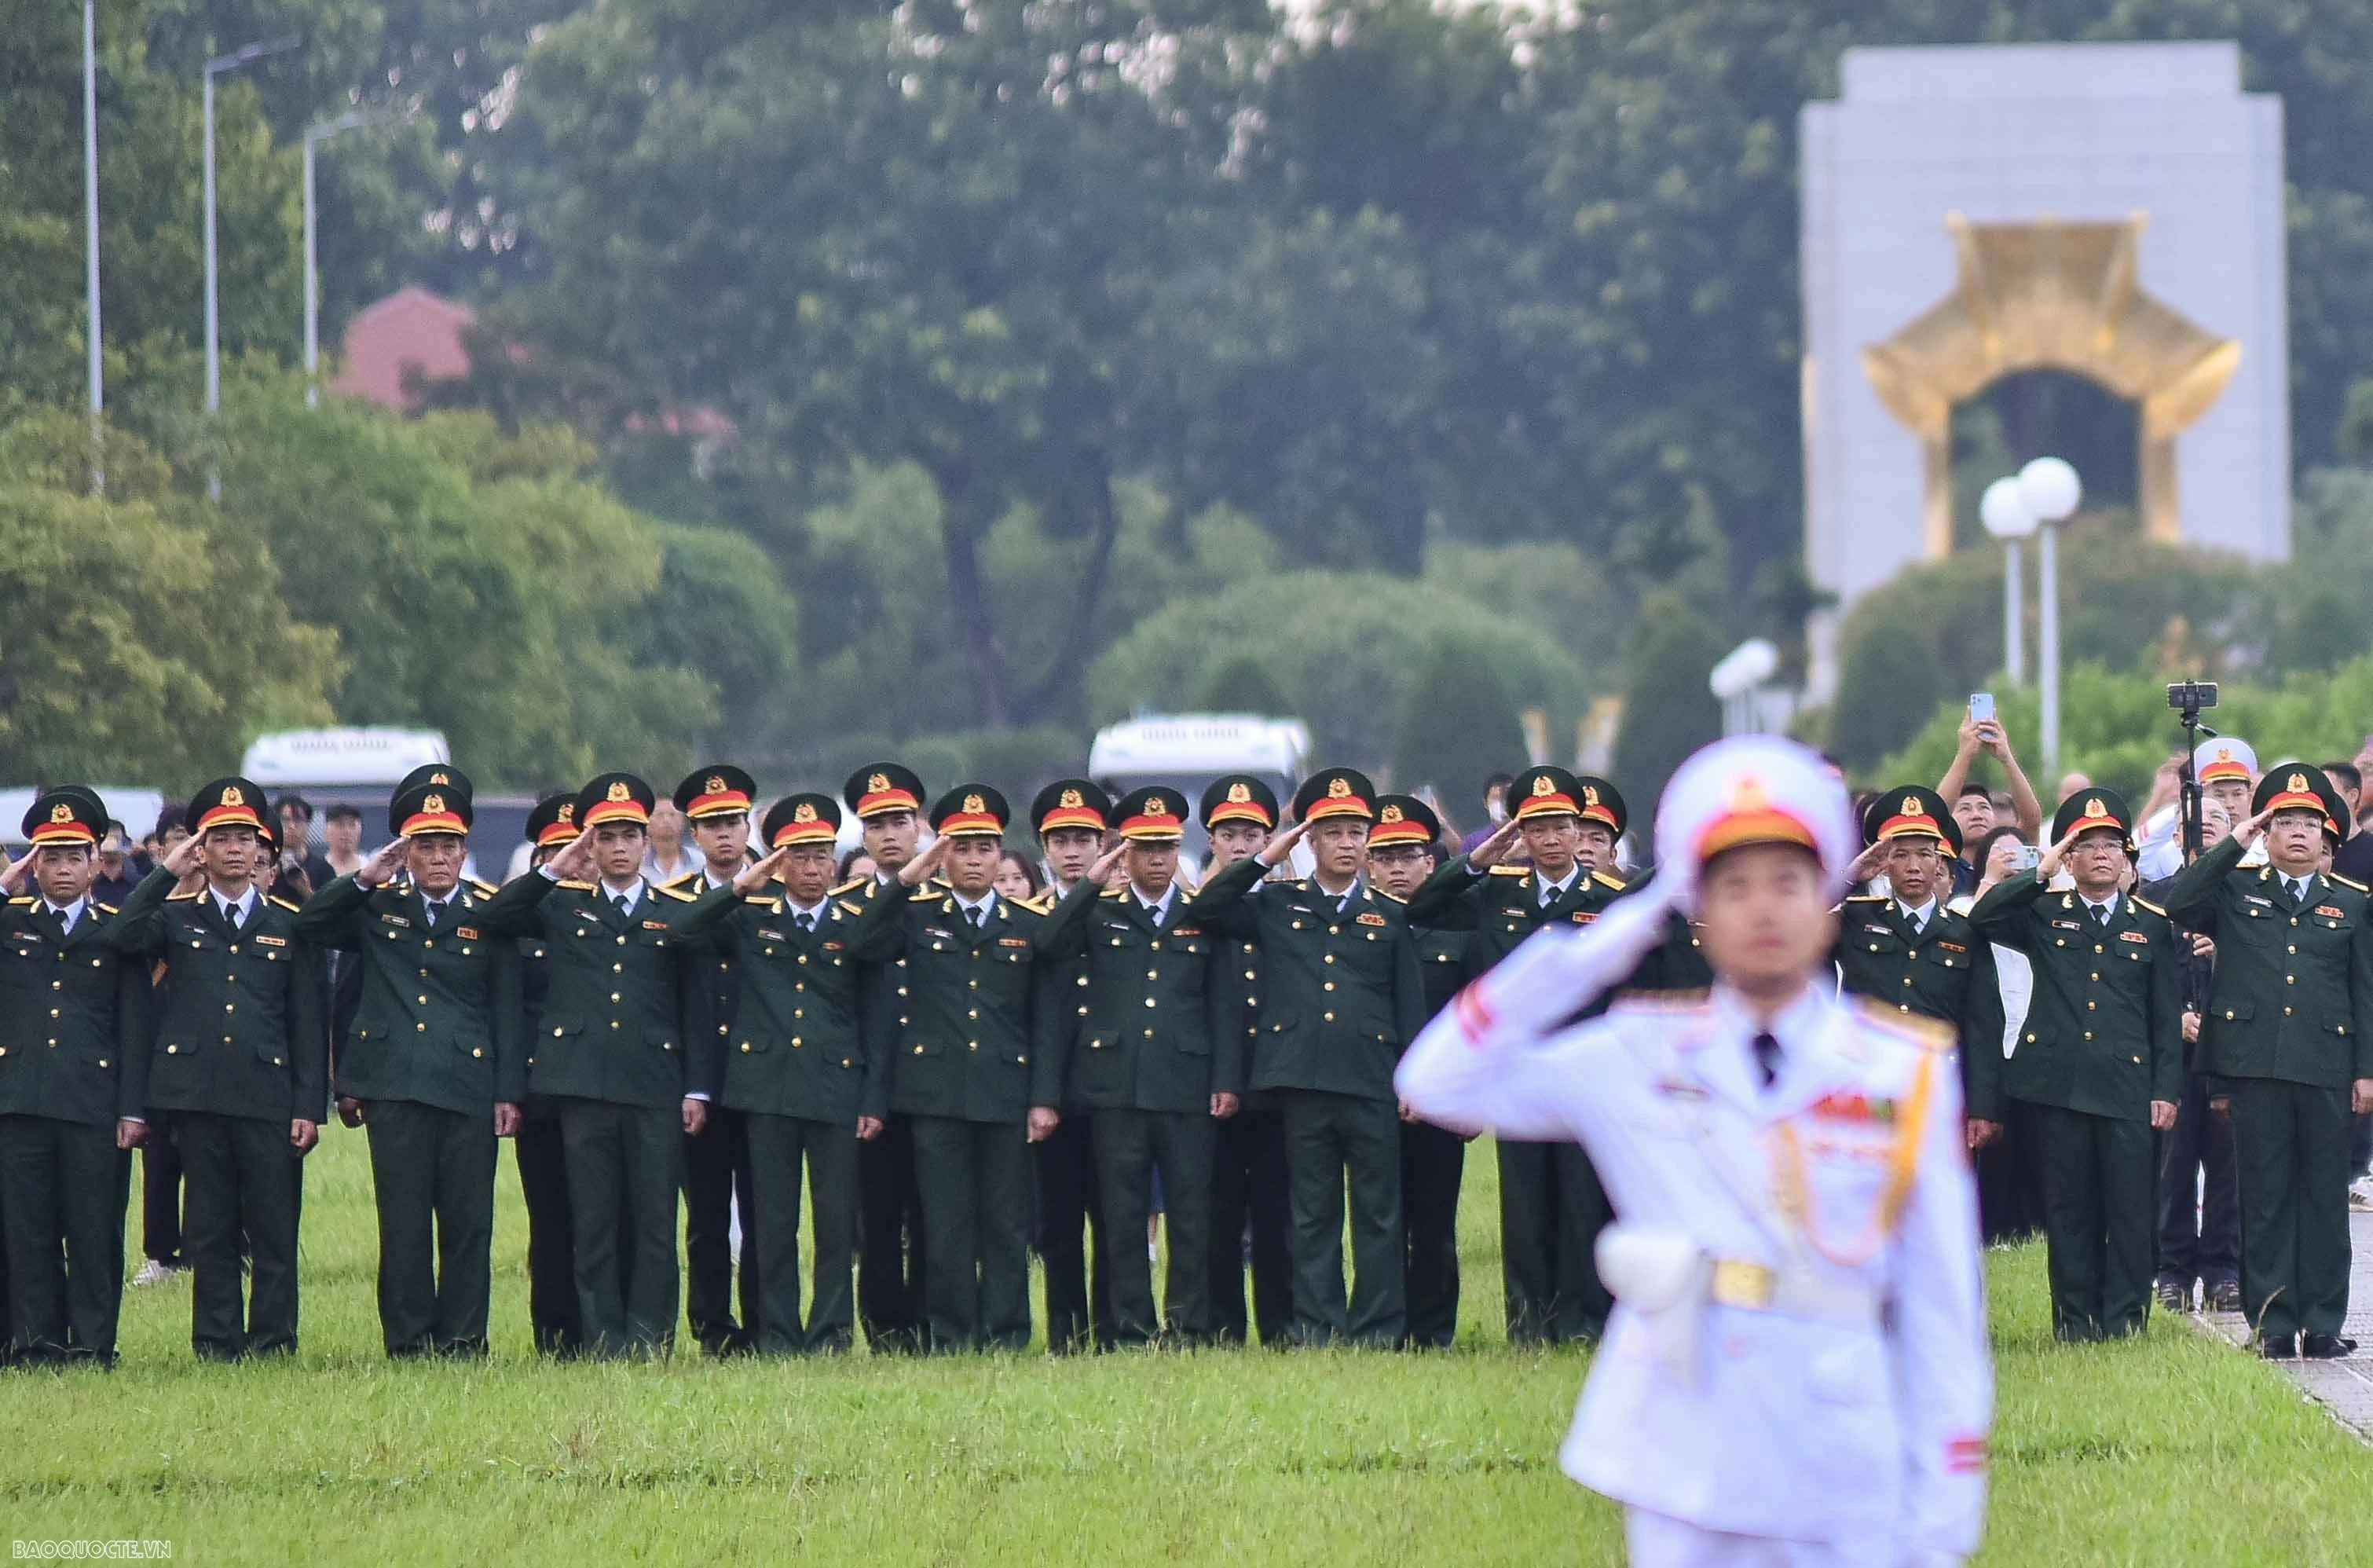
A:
{"x":2169,"y":1450}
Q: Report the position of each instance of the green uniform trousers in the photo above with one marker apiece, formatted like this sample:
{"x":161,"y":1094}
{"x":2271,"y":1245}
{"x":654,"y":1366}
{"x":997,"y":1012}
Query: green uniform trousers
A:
{"x":974,"y":1180}
{"x":244,"y":1180}
{"x":1434,"y":1164}
{"x":778,"y":1144}
{"x":1552,"y":1210}
{"x":552,"y":1306}
{"x":2100,"y":1219}
{"x":1131,"y":1146}
{"x":2290,"y":1147}
{"x":1247,"y":1230}
{"x":64,"y":1186}
{"x":433,"y":1177}
{"x":625,"y":1165}
{"x":1327,"y":1138}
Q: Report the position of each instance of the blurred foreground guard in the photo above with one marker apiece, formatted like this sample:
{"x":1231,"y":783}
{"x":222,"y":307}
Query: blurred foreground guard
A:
{"x":2285,"y":1048}
{"x":1795,"y":1371}
{"x":240,"y":1058}
{"x":71,"y":1090}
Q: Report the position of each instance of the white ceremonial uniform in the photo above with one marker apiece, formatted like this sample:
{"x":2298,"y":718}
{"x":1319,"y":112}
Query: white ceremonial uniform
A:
{"x":1795,"y":1372}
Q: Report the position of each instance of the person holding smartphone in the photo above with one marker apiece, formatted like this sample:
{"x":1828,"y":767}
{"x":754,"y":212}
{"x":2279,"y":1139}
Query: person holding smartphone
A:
{"x":1972,"y":805}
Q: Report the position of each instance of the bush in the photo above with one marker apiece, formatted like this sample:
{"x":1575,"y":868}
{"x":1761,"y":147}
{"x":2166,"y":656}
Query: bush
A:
{"x":1457,"y":728}
{"x":1669,"y":711}
{"x":1243,"y":685}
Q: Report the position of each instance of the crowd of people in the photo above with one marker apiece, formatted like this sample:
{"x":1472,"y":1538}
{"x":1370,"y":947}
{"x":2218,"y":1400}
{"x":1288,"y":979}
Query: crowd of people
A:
{"x":689,"y":1013}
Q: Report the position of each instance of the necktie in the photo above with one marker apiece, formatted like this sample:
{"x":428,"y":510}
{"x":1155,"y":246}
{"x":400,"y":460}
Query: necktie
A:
{"x":430,"y":908}
{"x":2298,"y":888}
{"x":1914,"y":918}
{"x":977,"y":916}
{"x":1767,"y":1056}
{"x":620,"y":900}
{"x":2100,"y":914}
{"x":807,"y":921}
{"x":230,"y":915}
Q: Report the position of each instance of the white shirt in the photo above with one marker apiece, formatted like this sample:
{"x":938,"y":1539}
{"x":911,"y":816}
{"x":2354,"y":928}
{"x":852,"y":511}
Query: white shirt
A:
{"x":67,"y":915}
{"x":236,"y":911}
{"x":1156,"y":912}
{"x":437,"y":907}
{"x":1919,"y":915}
{"x":987,"y":907}
{"x":629,"y":896}
{"x":799,"y":911}
{"x":1553,"y":891}
{"x":1343,"y":899}
{"x":2105,"y":910}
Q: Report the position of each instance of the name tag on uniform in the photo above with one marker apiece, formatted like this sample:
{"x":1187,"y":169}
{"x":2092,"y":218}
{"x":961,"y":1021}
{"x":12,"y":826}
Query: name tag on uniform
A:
{"x":766,"y":935}
{"x":2328,"y":912}
{"x":2134,"y":936}
{"x":1302,"y":909}
{"x":395,"y":919}
{"x":2066,"y":926}
{"x":467,"y":933}
{"x":654,"y":925}
{"x":2253,"y":898}
{"x":272,"y":940}
{"x":1879,"y":930}
{"x":944,"y":936}
{"x":1371,"y":919}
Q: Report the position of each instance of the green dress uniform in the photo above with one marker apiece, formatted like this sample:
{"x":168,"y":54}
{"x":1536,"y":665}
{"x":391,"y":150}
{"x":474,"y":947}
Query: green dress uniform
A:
{"x":2102,"y":1039}
{"x":553,"y":1317}
{"x":73,"y":1019}
{"x":2285,"y":1038}
{"x":1249,"y":1221}
{"x":1551,"y":1203}
{"x":717,"y":1159}
{"x":240,"y":1051}
{"x":890,"y":1259}
{"x":433,"y":1046}
{"x":798,"y":1073}
{"x":1070,"y":1242}
{"x":977,"y":1045}
{"x":620,"y":1046}
{"x":1343,"y":998}
{"x":1151,"y":1043}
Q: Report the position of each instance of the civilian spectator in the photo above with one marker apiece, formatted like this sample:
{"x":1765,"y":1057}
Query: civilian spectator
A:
{"x":1496,"y":812}
{"x":857,"y":863}
{"x":1973,"y":807}
{"x":668,"y":859}
{"x":1016,"y":878}
{"x":299,"y":861}
{"x":342,"y":831}
{"x":2070,"y":783}
{"x":117,"y":876}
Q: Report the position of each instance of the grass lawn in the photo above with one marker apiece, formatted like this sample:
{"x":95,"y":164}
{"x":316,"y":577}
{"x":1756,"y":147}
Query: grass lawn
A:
{"x":2170,"y":1450}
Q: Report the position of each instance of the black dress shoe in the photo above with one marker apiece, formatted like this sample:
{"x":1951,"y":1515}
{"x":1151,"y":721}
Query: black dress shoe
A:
{"x":2224,"y":1296}
{"x":2324,"y":1347}
{"x":2278,"y":1347}
{"x":2174,"y":1295}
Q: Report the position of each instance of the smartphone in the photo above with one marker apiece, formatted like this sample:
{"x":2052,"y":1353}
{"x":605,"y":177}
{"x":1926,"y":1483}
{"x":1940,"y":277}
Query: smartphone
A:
{"x":1981,"y":705}
{"x":2028,"y":857}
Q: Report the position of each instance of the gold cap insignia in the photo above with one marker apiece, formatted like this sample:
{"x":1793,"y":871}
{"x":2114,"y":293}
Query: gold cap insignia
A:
{"x":1071,"y":800}
{"x":803,"y":811}
{"x":2223,"y":754}
{"x":1339,"y":789}
{"x":1911,"y":805}
{"x":878,"y":783}
{"x":1541,"y":786}
{"x":434,"y":805}
{"x":1393,"y":813}
{"x":231,"y":796}
{"x":716,"y":785}
{"x":618,"y":791}
{"x":1239,"y":793}
{"x":1590,"y":794}
{"x":2094,"y":808}
{"x":975,"y":804}
{"x":2298,"y":784}
{"x":1153,"y":806}
{"x":61,"y":812}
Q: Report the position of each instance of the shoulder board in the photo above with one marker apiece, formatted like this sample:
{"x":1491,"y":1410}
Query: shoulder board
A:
{"x":678,"y":893}
{"x":1928,"y":1034}
{"x":2146,"y":904}
{"x":170,"y":897}
{"x":1867,"y":898}
{"x":1185,"y":894}
{"x":924,"y":896}
{"x":278,"y":902}
{"x":484,"y":889}
{"x":1114,"y":894}
{"x":1040,"y":903}
{"x":25,"y":902}
{"x":579,"y":886}
{"x":674,"y":883}
{"x":1511,"y":870}
{"x":2347,"y":882}
{"x":1382,"y":894}
{"x":763,"y":902}
{"x":108,"y":907}
{"x":1604,"y":880}
{"x":851,"y":885}
{"x":939,"y":879}
{"x":851,"y":907}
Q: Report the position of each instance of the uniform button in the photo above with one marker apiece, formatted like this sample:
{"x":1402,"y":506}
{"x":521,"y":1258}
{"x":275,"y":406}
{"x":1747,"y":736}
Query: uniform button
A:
{"x":424,"y":974}
{"x":227,"y":1007}
{"x":2138,"y":1062}
{"x":2286,"y":1013}
{"x":423,"y":1000}
{"x":2094,"y":976}
{"x":902,"y":990}
{"x":57,"y":985}
{"x":2088,"y":1034}
{"x":2295,"y":919}
{"x":918,"y":1050}
{"x":54,"y":1045}
{"x":430,"y":942}
{"x":555,"y":1034}
{"x":1334,"y":931}
{"x":1021,"y":1059}
{"x":972,"y":1045}
{"x":1083,"y":980}
{"x":745,"y":1047}
{"x":614,"y":1023}
{"x":2060,"y":942}
{"x":2290,"y":979}
{"x":667,"y":1045}
{"x":2291,"y":948}
{"x":234,"y":946}
{"x":622,"y":942}
{"x":2030,"y":1039}
{"x":723,"y":968}
{"x":1248,"y":975}
{"x":1149,"y":1033}
{"x":617,"y":968}
{"x":973,"y":984}
{"x":1330,"y":986}
{"x":613,"y":996}
{"x":170,"y":1050}
{"x":1330,"y":958}
{"x":1154,"y":946}
{"x":798,"y":1013}
{"x":1330,"y":1018}
{"x":798,"y":985}
{"x":1874,"y":947}
{"x":476,"y":1052}
{"x":1154,"y":973}
{"x":2229,"y":1015}
{"x":1902,"y":1007}
{"x":2097,"y":948}
{"x":1907,"y":979}
{"x":2089,"y":1006}
{"x":420,"y":1028}
{"x":1084,"y":1013}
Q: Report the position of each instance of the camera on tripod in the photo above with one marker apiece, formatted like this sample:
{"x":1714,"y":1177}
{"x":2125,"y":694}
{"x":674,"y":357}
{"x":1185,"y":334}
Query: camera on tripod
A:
{"x":2187,"y":697}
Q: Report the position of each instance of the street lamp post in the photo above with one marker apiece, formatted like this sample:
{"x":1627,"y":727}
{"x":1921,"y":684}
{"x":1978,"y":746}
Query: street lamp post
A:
{"x":214,"y":67}
{"x":91,"y":234}
{"x":2048,"y":488}
{"x":2007,"y":518}
{"x":314,"y":135}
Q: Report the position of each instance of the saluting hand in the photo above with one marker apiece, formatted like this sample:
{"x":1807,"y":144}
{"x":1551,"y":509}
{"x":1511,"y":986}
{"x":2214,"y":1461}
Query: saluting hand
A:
{"x":2249,"y":832}
{"x":913,"y":873}
{"x":1865,"y":865}
{"x":182,"y":859}
{"x":1488,"y":853}
{"x":1274,"y":853}
{"x":12,"y":881}
{"x":383,"y":866}
{"x":2047,"y":865}
{"x":753,"y":877}
{"x":1108,"y":863}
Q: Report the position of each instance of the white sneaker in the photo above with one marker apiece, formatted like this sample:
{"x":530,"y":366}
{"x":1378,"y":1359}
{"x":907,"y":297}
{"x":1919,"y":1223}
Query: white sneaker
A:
{"x":153,"y":1273}
{"x":2360,"y":1193}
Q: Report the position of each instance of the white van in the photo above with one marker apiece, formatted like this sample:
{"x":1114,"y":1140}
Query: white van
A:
{"x":1188,"y":751}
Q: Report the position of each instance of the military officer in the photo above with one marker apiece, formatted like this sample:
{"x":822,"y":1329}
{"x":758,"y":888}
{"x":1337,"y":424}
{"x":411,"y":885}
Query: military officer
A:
{"x":978,"y":1065}
{"x":2284,"y":1047}
{"x":1154,"y":1058}
{"x":433,"y":1065}
{"x":1552,"y":1205}
{"x":1249,"y":1221}
{"x":73,"y":1020}
{"x":553,"y":1316}
{"x":1341,"y":997}
{"x":240,"y":1058}
{"x":629,"y":1054}
{"x":2099,"y":1065}
{"x":1904,"y":948}
{"x":1795,"y":1370}
{"x":798,"y":1073}
{"x":887,"y":801}
{"x":1071,"y":816}
{"x":1402,"y":848}
{"x":717,"y":800}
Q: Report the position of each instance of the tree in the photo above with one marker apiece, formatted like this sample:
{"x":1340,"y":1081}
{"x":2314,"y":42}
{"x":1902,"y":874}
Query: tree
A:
{"x":1669,"y":711}
{"x":1242,"y":685}
{"x":1458,"y":727}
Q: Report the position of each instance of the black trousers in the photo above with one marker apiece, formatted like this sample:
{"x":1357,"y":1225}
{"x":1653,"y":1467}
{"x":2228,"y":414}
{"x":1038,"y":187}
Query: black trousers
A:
{"x":2100,"y":1188}
{"x":160,"y":1193}
{"x":1131,"y":1146}
{"x":890,"y":1258}
{"x":778,"y":1146}
{"x":974,"y":1178}
{"x":715,"y":1173}
{"x":552,"y":1306}
{"x":433,"y":1178}
{"x":1330,"y":1138}
{"x":63,"y":1188}
{"x":1079,"y":1283}
{"x":1250,"y":1218}
{"x":1433,"y":1161}
{"x":2290,"y":1147}
{"x":625,"y":1165}
{"x":2198,"y":1197}
{"x":1551,"y":1209}
{"x":244,"y":1181}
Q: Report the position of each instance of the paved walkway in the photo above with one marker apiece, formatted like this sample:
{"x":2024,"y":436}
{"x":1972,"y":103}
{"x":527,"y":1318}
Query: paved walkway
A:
{"x":2346,"y":1386}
